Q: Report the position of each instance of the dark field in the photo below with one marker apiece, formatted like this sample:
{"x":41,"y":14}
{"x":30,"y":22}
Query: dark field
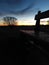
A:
{"x":18,"y":48}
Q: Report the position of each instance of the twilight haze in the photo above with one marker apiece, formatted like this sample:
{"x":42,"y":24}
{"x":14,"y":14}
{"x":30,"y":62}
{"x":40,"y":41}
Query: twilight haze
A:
{"x":23,"y":10}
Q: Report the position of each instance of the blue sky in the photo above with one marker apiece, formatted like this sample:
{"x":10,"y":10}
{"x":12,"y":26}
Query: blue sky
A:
{"x":22,"y":9}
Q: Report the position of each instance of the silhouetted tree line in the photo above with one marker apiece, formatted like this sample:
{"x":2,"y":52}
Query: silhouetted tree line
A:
{"x":9,"y":20}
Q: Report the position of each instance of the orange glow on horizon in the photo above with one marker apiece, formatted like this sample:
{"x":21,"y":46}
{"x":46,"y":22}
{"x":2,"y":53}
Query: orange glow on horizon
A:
{"x":26,"y":22}
{"x":43,"y":23}
{"x":23,"y":23}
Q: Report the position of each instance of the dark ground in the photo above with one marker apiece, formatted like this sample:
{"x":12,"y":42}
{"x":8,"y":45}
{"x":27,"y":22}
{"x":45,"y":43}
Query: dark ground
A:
{"x":14,"y":49}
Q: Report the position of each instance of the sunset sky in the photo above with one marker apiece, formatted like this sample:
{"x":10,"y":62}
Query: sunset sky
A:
{"x":23,"y":10}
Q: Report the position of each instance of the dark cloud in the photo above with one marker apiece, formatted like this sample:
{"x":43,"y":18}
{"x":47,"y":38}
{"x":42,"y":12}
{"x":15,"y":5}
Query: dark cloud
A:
{"x":10,"y":1}
{"x":20,"y":7}
{"x":23,"y":10}
{"x":15,"y":6}
{"x":29,"y":7}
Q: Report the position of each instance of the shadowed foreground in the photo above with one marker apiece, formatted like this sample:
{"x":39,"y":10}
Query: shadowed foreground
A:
{"x":15,"y":49}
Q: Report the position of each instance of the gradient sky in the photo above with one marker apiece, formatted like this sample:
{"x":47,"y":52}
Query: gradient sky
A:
{"x":22,"y":9}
